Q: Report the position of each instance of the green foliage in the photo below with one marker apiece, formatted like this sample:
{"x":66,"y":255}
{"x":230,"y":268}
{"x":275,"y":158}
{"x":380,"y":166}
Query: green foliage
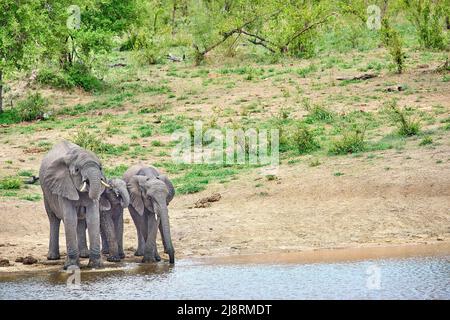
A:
{"x":31,"y":108}
{"x":90,"y":141}
{"x":317,"y":112}
{"x":391,"y":39}
{"x":10,"y":183}
{"x":426,"y":141}
{"x":303,"y":140}
{"x":81,"y":76}
{"x":428,"y":18}
{"x":116,"y":172}
{"x":407,"y":125}
{"x":351,"y":141}
{"x":55,"y":78}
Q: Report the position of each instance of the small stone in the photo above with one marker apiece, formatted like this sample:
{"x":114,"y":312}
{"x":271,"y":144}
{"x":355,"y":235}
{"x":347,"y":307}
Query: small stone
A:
{"x":19,"y":259}
{"x":440,"y":239}
{"x":4,"y":263}
{"x":29,"y":260}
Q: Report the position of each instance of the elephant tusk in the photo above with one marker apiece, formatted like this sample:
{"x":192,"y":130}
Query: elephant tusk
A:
{"x":83,"y":187}
{"x":105,"y":184}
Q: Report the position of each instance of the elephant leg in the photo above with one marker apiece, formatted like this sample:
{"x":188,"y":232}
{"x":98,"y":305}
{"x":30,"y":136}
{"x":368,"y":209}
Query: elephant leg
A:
{"x":118,"y":226}
{"x":150,"y":242}
{"x":53,"y":246}
{"x":93,"y":225}
{"x":81,"y":235}
{"x":138,"y":223}
{"x":105,"y":247}
{"x":107,"y":226}
{"x":70,"y":227}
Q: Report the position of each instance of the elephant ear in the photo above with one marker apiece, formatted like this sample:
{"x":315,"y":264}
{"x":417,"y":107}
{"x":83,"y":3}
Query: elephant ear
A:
{"x":134,"y":187}
{"x":57,"y":178}
{"x":169,"y":187}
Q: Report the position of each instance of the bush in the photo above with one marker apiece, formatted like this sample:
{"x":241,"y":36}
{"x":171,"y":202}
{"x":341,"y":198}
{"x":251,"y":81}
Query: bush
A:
{"x":317,"y":113}
{"x":90,"y":141}
{"x":349,"y":142}
{"x":393,"y":42}
{"x":31,"y":108}
{"x":10,"y":183}
{"x":82,"y":77}
{"x":76,"y":75}
{"x":55,"y":79}
{"x":407,"y":125}
{"x":303,"y":140}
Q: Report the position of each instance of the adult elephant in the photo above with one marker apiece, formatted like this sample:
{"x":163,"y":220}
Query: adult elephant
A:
{"x":112,"y":203}
{"x":150,"y":194}
{"x":72,"y":180}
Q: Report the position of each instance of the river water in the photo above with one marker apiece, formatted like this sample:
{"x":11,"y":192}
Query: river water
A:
{"x":391,"y":278}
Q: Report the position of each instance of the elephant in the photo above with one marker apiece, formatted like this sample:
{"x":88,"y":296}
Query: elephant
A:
{"x":72,"y":178}
{"x":150,"y":195}
{"x":112,"y":202}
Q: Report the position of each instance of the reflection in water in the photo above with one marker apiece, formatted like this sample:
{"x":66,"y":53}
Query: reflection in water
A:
{"x":411,"y":278}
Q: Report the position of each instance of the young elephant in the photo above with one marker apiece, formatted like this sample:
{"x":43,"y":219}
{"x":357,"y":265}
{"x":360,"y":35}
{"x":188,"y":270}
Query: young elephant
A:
{"x":150,"y":194}
{"x":112,"y":202}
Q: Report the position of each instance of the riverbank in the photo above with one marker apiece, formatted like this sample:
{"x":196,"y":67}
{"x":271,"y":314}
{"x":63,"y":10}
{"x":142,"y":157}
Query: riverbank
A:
{"x":303,"y":209}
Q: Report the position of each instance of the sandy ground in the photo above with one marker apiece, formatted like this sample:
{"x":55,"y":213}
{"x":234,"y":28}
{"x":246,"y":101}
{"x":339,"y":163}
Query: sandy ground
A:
{"x":394,"y":198}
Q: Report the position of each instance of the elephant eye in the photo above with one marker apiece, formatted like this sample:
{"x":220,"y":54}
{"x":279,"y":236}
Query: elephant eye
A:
{"x":77,"y":170}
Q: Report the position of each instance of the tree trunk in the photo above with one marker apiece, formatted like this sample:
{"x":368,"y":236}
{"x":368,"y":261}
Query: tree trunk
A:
{"x":1,"y":91}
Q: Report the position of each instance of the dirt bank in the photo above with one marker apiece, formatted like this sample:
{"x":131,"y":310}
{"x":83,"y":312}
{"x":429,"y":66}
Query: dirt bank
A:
{"x":394,"y":198}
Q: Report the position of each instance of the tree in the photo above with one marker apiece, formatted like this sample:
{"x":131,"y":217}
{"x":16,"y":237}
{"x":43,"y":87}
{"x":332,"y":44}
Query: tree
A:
{"x":20,"y":36}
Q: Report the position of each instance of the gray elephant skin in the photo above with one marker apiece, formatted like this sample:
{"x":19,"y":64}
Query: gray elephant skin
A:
{"x":112,"y":202}
{"x":72,"y":181}
{"x":150,"y":195}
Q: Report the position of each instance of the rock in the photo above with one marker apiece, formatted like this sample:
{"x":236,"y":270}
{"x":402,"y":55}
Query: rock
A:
{"x":206,"y":202}
{"x":29,"y":260}
{"x":4,"y":263}
{"x":440,"y":238}
{"x":19,"y":259}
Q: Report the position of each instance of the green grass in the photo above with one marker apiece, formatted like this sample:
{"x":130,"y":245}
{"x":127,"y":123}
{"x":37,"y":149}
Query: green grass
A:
{"x":350,"y":142}
{"x":10,"y":183}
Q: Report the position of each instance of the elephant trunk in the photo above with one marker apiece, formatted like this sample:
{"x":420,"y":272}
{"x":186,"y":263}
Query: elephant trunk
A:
{"x":125,"y":202}
{"x":94,"y":176}
{"x":163,"y":213}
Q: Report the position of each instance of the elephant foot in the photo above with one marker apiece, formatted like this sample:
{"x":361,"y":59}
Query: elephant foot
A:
{"x":122,"y":255}
{"x":139,"y":253}
{"x":71,"y":262}
{"x":148,"y":259}
{"x":157,"y":257}
{"x":95,"y":261}
{"x":84,"y":253}
{"x":113,"y":258}
{"x":105,"y":251}
{"x":53,"y":256}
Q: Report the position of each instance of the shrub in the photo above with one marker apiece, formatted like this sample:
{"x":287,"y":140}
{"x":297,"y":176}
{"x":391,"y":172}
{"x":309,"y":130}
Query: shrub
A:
{"x":317,"y":113}
{"x":393,"y":42}
{"x":82,"y":77}
{"x":90,"y":141}
{"x":10,"y":183}
{"x":407,"y":125}
{"x":31,"y":108}
{"x":350,"y":142}
{"x":426,"y":141}
{"x":303,"y":140}
{"x":55,"y":79}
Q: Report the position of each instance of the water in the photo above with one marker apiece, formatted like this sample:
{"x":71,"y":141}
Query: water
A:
{"x":407,"y":278}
